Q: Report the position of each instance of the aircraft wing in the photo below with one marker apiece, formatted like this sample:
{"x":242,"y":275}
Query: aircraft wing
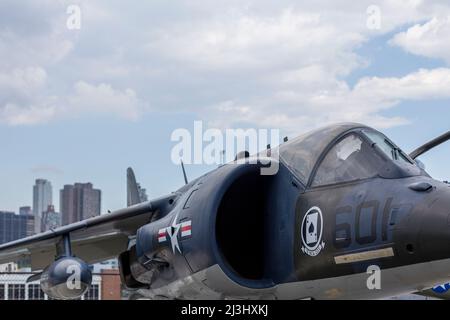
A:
{"x":93,"y":240}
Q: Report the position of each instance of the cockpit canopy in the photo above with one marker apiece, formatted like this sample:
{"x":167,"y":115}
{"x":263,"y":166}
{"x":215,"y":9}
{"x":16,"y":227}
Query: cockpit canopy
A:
{"x":345,"y":152}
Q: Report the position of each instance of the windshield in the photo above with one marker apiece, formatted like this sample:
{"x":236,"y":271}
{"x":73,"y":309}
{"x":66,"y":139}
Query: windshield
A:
{"x":349,"y":160}
{"x":302,"y":153}
{"x":387,"y":147}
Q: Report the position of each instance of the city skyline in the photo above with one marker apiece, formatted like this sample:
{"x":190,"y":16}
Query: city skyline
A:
{"x":22,"y":208}
{"x":78,"y":202}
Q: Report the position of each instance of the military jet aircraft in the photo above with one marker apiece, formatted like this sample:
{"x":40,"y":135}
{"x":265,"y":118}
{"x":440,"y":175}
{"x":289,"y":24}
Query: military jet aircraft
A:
{"x":344,"y":199}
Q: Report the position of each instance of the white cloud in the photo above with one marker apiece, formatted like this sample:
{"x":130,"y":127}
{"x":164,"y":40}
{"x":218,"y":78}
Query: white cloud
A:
{"x":17,"y":115}
{"x":423,"y":84}
{"x":34,"y":32}
{"x":430,"y":39}
{"x":103,"y":99}
{"x":247,"y":42}
{"x":262,"y":63}
{"x":299,"y":110}
{"x":85,"y":100}
{"x":22,"y":80}
{"x":19,"y":87}
{"x":46,"y":169}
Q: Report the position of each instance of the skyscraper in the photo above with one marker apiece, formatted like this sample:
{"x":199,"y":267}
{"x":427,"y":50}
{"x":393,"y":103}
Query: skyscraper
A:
{"x":25,"y":211}
{"x":78,"y":202}
{"x":28,"y":212}
{"x":50,"y":219}
{"x":30,"y":225}
{"x":42,"y":198}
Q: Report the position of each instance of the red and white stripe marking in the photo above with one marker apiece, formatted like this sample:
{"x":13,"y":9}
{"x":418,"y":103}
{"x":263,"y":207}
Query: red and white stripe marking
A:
{"x":162,"y":235}
{"x":186,"y":228}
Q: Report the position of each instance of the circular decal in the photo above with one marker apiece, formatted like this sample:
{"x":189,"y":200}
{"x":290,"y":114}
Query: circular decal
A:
{"x":311,"y":232}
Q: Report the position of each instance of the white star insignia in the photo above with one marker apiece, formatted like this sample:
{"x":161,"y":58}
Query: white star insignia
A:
{"x":172,"y":231}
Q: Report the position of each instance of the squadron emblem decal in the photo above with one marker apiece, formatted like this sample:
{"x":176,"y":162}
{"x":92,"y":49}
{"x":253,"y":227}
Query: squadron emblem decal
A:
{"x":311,"y":232}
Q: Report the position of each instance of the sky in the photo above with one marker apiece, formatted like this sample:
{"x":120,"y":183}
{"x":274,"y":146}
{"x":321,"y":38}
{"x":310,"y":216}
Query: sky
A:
{"x":87,"y":92}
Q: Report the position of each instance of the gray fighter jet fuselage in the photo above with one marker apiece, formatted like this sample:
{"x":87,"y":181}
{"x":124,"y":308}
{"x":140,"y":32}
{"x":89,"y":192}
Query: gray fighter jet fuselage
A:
{"x":345,"y":201}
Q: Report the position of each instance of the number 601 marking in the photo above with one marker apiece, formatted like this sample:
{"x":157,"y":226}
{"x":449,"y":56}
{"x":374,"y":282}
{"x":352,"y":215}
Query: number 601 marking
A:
{"x":343,"y":230}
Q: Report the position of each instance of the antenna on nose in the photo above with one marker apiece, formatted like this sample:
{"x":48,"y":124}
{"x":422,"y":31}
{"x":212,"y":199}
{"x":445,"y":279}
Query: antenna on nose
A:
{"x":184,"y":172}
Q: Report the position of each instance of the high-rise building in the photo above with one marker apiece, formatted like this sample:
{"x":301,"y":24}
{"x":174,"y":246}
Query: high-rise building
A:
{"x":28,"y":212}
{"x":78,"y":202}
{"x":50,"y":219}
{"x":42,"y":198}
{"x":30,"y":225}
{"x":25,"y":211}
{"x":13,"y":226}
